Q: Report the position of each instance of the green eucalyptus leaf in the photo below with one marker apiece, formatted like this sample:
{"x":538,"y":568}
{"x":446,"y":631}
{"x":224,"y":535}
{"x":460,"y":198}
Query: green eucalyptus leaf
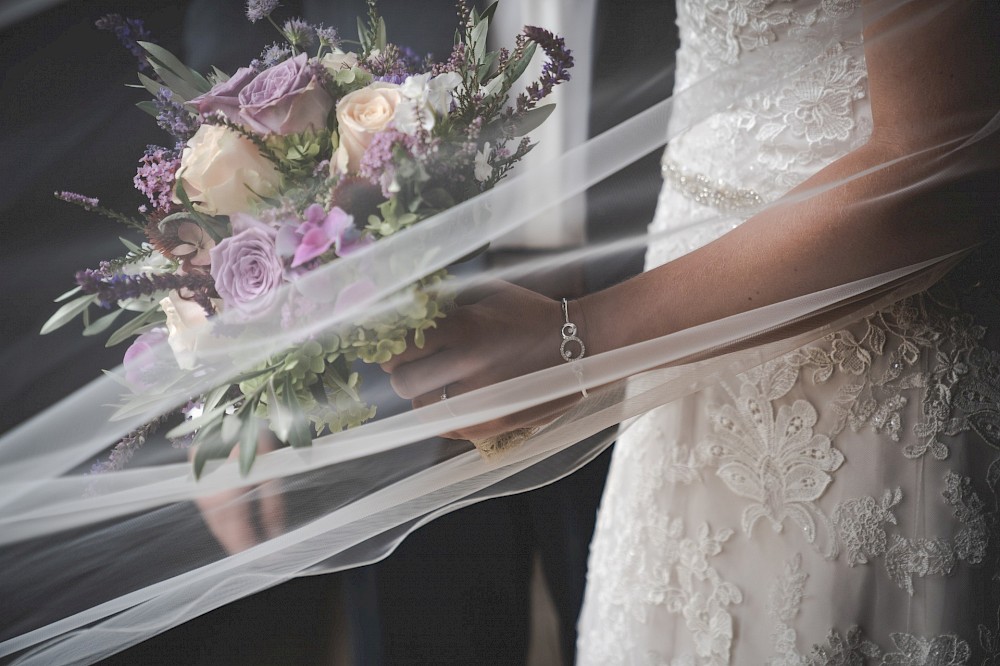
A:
{"x":487,"y":65}
{"x":148,"y":107}
{"x":213,"y":397}
{"x":493,"y":87}
{"x":63,"y":297}
{"x":209,"y":446}
{"x":131,"y":327}
{"x":153,"y":87}
{"x":182,"y":90}
{"x":141,"y":405}
{"x":68,"y":313}
{"x":249,"y":432}
{"x":169,"y":61}
{"x":380,"y":35}
{"x":102,"y":324}
{"x":479,"y":33}
{"x":490,"y":11}
{"x":298,"y":433}
{"x":533,"y":119}
{"x":516,"y":68}
{"x":363,"y":36}
{"x":129,"y":245}
{"x":231,"y":426}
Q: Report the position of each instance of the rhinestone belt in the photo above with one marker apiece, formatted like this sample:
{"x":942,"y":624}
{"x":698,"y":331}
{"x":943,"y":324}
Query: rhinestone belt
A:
{"x":702,"y":189}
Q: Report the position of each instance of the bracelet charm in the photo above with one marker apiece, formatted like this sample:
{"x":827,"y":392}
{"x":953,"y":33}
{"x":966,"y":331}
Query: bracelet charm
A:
{"x":572,"y":347}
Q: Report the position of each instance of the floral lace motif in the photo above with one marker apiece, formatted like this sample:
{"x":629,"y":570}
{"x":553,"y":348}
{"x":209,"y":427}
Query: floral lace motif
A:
{"x":775,"y":138}
{"x":681,"y":578}
{"x":860,"y":525}
{"x":783,"y":604}
{"x":855,"y":650}
{"x":909,"y":650}
{"x":913,"y":330}
{"x":778,"y":462}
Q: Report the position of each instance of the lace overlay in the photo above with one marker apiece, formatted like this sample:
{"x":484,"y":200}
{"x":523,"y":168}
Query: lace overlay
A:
{"x":834,"y":506}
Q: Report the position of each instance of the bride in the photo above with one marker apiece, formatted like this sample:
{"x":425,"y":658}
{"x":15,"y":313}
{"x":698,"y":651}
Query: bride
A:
{"x":836,"y":504}
{"x":812,"y":361}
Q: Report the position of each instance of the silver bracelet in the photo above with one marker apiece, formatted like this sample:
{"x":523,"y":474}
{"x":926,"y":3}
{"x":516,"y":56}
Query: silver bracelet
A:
{"x":570,"y":338}
{"x":569,"y":341}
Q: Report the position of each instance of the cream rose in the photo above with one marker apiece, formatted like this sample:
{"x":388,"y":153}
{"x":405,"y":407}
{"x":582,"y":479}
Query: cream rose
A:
{"x":184,"y":317}
{"x":360,"y":115}
{"x":222,"y":171}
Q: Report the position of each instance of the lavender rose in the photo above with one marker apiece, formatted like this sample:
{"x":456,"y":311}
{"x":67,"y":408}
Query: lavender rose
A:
{"x":285,"y":99}
{"x":224,"y":97}
{"x":247,"y":270}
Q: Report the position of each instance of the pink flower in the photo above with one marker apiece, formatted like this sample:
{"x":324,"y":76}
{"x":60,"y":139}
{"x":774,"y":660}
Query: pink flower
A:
{"x":140,"y":358}
{"x":320,"y":231}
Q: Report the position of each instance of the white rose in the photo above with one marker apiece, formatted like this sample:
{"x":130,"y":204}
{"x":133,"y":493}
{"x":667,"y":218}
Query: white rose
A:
{"x":360,"y":115}
{"x":222,"y":171}
{"x":184,"y":318}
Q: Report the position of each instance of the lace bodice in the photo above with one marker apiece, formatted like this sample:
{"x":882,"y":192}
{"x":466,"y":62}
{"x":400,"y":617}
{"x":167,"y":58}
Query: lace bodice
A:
{"x":838,"y":505}
{"x":776,"y":137}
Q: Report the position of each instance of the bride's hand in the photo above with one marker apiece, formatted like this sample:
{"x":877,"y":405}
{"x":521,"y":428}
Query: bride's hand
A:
{"x":500,"y":333}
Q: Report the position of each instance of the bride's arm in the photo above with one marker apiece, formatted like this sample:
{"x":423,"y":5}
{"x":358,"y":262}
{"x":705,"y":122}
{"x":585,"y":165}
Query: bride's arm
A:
{"x":934,"y":81}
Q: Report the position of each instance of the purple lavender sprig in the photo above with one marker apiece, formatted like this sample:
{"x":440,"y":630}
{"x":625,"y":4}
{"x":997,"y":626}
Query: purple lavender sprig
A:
{"x":127,"y":446}
{"x":119,"y":286}
{"x":81,"y":200}
{"x":94,"y":205}
{"x":172,"y":117}
{"x":554,"y":71}
{"x":129,"y":32}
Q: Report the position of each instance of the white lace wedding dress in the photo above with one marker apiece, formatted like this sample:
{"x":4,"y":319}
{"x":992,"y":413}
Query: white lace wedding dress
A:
{"x":834,"y":506}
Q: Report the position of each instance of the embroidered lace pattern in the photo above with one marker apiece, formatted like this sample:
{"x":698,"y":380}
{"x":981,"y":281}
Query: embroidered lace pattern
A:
{"x":854,"y":649}
{"x":861,"y":524}
{"x":775,"y":460}
{"x":765,"y":461}
{"x":766,"y":446}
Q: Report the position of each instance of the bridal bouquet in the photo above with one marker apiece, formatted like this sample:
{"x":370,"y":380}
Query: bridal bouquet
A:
{"x":316,"y":149}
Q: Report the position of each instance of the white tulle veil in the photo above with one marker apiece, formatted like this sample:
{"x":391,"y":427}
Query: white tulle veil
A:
{"x":93,"y":564}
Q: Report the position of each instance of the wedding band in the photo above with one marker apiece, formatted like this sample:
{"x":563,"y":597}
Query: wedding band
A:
{"x":444,"y":392}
